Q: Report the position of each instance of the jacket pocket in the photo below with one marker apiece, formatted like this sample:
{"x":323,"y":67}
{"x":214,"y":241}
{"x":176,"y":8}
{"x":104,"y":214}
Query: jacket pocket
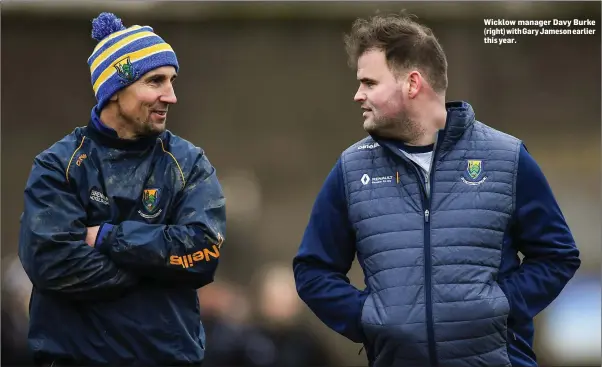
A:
{"x":499,"y":292}
{"x":509,"y":319}
{"x":361,"y":321}
{"x":365,"y":327}
{"x":506,"y":332}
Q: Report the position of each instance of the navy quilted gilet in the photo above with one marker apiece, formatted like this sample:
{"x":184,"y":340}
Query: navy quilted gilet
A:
{"x":431,"y":257}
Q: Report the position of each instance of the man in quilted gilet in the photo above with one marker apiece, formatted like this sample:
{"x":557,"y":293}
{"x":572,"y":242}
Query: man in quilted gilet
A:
{"x":437,"y":206}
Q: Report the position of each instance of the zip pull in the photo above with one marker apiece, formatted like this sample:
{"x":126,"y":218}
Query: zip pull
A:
{"x":426,"y":215}
{"x":360,"y":352}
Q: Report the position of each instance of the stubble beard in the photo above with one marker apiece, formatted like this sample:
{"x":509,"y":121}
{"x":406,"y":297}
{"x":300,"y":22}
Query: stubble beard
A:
{"x":148,"y":128}
{"x":142,"y":129}
{"x":400,"y":127}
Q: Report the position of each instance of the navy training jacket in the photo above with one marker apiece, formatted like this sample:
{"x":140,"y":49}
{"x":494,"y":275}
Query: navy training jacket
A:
{"x":130,"y":300}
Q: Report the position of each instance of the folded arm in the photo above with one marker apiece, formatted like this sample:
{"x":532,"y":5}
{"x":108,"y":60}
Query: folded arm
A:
{"x":52,"y":246}
{"x":186,"y":251}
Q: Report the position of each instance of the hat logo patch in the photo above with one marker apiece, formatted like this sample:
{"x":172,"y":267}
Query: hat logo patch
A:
{"x":125,"y":69}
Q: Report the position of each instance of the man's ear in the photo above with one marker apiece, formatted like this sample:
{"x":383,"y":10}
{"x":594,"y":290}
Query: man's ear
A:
{"x":114,"y":97}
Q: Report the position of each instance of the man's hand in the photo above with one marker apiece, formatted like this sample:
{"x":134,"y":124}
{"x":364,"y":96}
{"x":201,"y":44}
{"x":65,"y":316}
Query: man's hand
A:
{"x":91,"y":235}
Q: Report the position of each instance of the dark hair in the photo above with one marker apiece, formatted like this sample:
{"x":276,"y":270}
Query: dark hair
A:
{"x":405,"y":42}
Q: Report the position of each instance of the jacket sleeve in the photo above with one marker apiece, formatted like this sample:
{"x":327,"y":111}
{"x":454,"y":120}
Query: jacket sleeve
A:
{"x":186,"y":251}
{"x":325,"y":257}
{"x":52,"y":245}
{"x":542,"y":235}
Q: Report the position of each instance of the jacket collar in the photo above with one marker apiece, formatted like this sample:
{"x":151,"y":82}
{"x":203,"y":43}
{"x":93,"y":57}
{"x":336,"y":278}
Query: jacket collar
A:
{"x":460,"y":117}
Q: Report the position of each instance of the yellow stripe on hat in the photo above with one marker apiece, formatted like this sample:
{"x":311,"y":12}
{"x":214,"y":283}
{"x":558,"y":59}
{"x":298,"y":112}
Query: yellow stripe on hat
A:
{"x":111,"y":50}
{"x":134,"y":56}
{"x":113,"y":35}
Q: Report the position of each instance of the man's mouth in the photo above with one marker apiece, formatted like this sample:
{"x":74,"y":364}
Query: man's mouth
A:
{"x":160,"y":113}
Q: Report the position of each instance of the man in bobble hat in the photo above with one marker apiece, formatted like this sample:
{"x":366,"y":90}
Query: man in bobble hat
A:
{"x":123,"y":221}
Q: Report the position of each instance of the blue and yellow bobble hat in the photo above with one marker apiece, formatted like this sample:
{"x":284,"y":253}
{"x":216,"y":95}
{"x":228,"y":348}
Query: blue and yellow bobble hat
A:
{"x":123,"y":55}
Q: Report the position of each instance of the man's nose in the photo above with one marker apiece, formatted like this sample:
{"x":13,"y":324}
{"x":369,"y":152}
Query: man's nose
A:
{"x":169,"y":96}
{"x":359,"y":96}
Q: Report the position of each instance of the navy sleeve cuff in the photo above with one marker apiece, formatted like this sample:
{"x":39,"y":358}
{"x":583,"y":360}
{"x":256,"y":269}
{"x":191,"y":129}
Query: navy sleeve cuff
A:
{"x":103,"y":231}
